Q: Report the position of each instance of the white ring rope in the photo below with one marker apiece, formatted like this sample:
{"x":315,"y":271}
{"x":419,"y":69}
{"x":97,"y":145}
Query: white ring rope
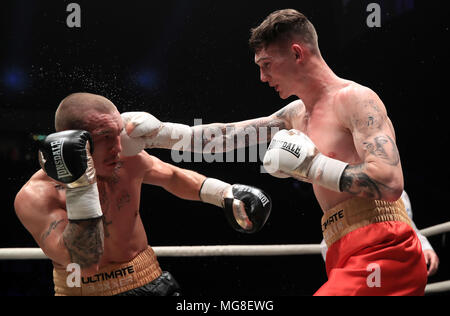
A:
{"x":436,"y":230}
{"x":215,"y":251}
{"x":212,"y":251}
{"x":221,"y":251}
{"x":186,"y":251}
{"x":437,"y":287}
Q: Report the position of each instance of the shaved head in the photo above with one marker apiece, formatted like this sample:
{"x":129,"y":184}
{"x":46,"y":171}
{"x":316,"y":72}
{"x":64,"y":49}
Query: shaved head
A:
{"x":74,"y":111}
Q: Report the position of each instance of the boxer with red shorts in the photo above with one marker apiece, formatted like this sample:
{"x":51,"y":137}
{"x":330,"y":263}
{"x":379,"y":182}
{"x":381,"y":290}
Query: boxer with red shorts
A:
{"x":337,"y":136}
{"x":386,"y":245}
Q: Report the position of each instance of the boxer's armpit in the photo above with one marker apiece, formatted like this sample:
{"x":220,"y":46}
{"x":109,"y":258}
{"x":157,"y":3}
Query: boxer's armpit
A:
{"x":84,"y":240}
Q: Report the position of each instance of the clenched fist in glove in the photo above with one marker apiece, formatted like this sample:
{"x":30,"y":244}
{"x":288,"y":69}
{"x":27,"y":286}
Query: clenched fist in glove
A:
{"x":247,"y":209}
{"x":66,"y":158}
{"x":293,"y":154}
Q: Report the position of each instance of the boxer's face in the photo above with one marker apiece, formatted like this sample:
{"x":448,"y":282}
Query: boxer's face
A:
{"x":277,"y":65}
{"x":105,"y":131}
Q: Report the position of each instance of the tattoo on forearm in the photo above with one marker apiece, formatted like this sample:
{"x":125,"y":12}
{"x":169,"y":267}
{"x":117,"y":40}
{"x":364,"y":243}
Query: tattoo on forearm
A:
{"x":356,"y":182}
{"x":233,"y":136}
{"x":84,"y":240}
{"x":384,"y":147}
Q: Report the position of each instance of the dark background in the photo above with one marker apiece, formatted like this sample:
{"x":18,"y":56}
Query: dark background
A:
{"x":182,"y":60}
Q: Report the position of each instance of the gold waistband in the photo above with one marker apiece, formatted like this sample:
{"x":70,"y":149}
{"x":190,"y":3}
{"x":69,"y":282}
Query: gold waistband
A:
{"x":358,"y":212}
{"x":110,"y":280}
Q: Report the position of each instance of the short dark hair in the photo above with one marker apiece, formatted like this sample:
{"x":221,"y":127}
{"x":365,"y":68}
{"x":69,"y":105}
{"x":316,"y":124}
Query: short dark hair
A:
{"x":281,"y":26}
{"x":71,"y":113}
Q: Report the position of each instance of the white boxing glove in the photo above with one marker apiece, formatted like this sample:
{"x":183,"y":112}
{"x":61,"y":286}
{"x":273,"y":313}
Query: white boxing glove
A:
{"x":144,"y":131}
{"x":292,"y":153}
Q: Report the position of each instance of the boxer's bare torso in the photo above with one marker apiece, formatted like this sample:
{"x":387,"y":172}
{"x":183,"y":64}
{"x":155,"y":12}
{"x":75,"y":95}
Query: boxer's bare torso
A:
{"x":330,"y":123}
{"x":119,"y":235}
{"x":349,"y":123}
{"x":331,"y":137}
{"x":124,"y":233}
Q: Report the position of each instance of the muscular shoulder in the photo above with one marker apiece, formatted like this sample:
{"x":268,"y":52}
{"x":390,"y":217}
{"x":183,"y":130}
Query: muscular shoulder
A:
{"x":37,"y":192}
{"x":37,"y":201}
{"x":357,"y":104}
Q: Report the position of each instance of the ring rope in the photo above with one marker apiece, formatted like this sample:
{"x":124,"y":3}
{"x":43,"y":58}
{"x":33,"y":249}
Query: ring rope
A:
{"x":186,"y":251}
{"x":221,"y":251}
{"x":236,"y":250}
{"x":206,"y":251}
{"x":438,"y":287}
{"x":436,"y":230}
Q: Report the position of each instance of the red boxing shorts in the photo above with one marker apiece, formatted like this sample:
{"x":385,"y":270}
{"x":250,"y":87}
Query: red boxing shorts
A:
{"x":373,"y":251}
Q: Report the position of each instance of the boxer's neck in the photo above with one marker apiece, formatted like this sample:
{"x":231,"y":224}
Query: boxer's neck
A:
{"x":319,"y":80}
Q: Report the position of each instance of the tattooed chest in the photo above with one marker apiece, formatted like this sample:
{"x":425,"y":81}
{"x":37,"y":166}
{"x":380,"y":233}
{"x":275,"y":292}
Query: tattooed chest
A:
{"x":115,"y":208}
{"x":116,"y":202}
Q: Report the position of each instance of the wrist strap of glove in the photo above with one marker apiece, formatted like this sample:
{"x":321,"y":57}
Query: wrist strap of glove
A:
{"x":327,"y":172}
{"x":212,"y":192}
{"x":171,"y":136}
{"x":83,"y":203}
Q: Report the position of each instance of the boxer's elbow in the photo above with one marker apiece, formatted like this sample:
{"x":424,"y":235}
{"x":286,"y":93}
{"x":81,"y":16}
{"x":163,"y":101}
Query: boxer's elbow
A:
{"x":393,"y":195}
{"x":395,"y":186}
{"x":389,"y":181}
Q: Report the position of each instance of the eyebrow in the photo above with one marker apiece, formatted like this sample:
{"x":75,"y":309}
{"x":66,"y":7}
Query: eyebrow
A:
{"x":102,"y":132}
{"x":261,"y":59}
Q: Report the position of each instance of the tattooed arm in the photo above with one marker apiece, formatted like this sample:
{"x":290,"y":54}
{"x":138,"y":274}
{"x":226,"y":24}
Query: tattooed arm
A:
{"x":146,"y":131}
{"x":40,"y":211}
{"x":380,"y":176}
{"x":84,"y":240}
{"x":227,"y":137}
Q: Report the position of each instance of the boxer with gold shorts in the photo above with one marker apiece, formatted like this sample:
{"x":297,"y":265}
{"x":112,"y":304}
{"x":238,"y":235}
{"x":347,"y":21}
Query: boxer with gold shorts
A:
{"x":83,"y":206}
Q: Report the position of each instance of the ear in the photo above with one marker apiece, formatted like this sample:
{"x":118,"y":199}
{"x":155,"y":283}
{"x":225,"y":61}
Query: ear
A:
{"x":298,"y":52}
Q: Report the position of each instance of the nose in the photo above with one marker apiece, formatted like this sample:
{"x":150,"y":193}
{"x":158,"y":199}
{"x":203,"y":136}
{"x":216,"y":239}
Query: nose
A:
{"x":117,"y":146}
{"x":264,"y":76}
